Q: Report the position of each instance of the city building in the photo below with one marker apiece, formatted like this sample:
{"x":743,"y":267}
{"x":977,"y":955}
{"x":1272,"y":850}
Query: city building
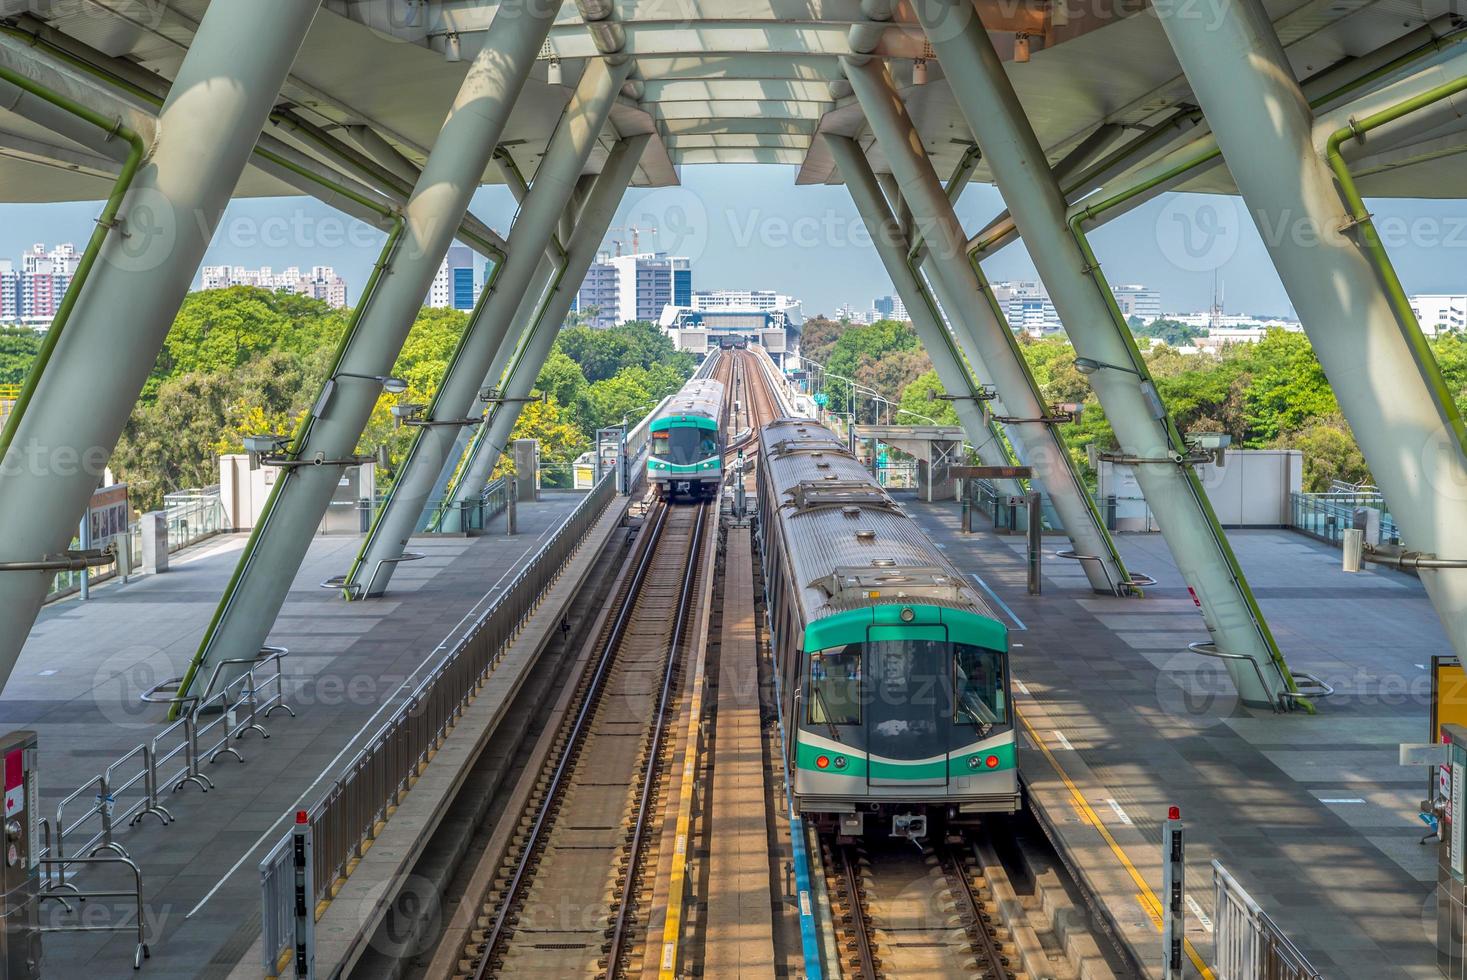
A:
{"x":453,"y":286}
{"x":32,"y":294}
{"x":320,"y":282}
{"x":624,"y":288}
{"x":888,"y":308}
{"x":850,"y":314}
{"x":701,"y":331}
{"x":1027,"y":307}
{"x":1439,"y":312}
{"x":9,"y":292}
{"x":1138,"y":301}
{"x":740,"y":299}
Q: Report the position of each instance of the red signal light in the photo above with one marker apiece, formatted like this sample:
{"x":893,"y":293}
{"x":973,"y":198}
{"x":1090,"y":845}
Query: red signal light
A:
{"x":991,"y":762}
{"x":1174,"y":813}
{"x":822,"y":762}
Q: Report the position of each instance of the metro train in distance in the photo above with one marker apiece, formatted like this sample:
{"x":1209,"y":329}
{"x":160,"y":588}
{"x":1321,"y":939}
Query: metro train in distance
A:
{"x":686,"y":457}
{"x":894,"y":673}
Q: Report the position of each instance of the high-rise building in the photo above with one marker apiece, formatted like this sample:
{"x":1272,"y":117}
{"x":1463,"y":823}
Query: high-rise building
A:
{"x":43,"y":280}
{"x":623,"y":288}
{"x":453,"y":286}
{"x":9,"y":292}
{"x":1027,"y":307}
{"x":740,"y":299}
{"x":321,"y":282}
{"x":889,"y":308}
{"x":1138,"y":301}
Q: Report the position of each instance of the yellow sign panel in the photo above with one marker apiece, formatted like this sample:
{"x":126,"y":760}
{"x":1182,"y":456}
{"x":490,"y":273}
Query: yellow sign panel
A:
{"x":1448,"y":695}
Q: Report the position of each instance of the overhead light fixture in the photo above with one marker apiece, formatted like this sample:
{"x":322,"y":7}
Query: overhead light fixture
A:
{"x":1059,"y":14}
{"x":553,"y":73}
{"x":453,"y":49}
{"x":919,"y":71}
{"x":1021,"y":48}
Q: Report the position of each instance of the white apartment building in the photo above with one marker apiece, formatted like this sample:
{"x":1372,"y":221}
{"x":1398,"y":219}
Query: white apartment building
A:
{"x":1439,"y":312}
{"x":321,"y":282}
{"x":1138,"y":301}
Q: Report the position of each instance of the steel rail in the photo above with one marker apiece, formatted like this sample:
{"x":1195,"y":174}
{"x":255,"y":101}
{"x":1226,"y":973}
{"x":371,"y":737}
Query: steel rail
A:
{"x":854,"y":895}
{"x":649,"y":778}
{"x":962,"y":886}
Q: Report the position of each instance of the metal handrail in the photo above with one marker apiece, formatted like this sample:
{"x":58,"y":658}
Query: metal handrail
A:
{"x":348,"y":815}
{"x":1248,"y":943}
{"x":141,"y":950}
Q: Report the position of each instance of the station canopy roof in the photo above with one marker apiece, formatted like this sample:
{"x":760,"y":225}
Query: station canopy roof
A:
{"x":714,"y":81}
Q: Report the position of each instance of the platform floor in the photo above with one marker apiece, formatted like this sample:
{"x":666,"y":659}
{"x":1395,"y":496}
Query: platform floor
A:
{"x":85,"y":663}
{"x":1313,"y":815}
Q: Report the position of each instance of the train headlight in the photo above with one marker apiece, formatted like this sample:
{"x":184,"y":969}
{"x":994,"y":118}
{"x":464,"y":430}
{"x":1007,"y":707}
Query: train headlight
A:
{"x":974,"y":762}
{"x":908,"y":614}
{"x":840,"y":762}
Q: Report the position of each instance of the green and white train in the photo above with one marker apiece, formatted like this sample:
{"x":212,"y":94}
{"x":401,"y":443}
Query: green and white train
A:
{"x":894,"y":675}
{"x":686,"y":458}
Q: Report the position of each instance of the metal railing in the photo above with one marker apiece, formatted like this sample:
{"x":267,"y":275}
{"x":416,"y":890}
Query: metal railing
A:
{"x":1326,"y":515}
{"x":348,"y":816}
{"x":1249,"y":946}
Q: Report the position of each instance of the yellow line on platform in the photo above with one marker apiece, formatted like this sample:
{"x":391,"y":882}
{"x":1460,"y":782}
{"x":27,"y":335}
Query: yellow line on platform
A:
{"x":1150,"y":902}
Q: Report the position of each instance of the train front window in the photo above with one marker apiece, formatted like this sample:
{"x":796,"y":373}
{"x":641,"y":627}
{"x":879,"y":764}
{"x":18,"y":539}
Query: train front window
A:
{"x":907,"y":698}
{"x":685,"y":445}
{"x":835,"y":687}
{"x":982,"y":697}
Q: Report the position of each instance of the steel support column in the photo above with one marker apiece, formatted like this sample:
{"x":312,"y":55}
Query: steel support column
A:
{"x":997,"y":352}
{"x":385,"y":315}
{"x":591,"y":228}
{"x":1144,"y":430}
{"x":458,"y":396}
{"x":1379,"y":365}
{"x":56,"y":450}
{"x":893,"y":248}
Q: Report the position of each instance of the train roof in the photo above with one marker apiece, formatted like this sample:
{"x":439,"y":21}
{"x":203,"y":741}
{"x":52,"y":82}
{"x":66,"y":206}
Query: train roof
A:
{"x":846,"y":538}
{"x":700,"y":397}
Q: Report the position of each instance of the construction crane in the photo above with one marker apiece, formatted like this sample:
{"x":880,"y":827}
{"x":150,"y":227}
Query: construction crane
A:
{"x":636,"y":236}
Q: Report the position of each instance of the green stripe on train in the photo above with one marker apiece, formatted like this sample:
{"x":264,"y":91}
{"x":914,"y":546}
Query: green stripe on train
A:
{"x":676,"y":469}
{"x":856,"y":763}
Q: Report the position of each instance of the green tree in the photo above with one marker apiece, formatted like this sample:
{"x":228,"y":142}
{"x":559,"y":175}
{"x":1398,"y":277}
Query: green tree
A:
{"x":1172,"y":332}
{"x":1330,"y":453}
{"x":18,"y":349}
{"x":561,"y":378}
{"x":917,"y":404}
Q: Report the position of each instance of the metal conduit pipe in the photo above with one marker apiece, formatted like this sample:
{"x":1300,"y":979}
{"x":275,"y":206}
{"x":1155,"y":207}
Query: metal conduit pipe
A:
{"x":1441,"y":34}
{"x":595,"y":218}
{"x":107,"y":221}
{"x":454,"y":169}
{"x":1034,"y":431}
{"x":149,"y":92}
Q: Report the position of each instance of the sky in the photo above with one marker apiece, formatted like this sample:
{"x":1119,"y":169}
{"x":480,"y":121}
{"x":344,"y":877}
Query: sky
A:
{"x":750,"y":227}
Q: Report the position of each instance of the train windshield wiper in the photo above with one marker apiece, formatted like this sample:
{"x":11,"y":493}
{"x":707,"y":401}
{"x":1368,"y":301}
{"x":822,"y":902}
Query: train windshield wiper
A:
{"x":825,"y":710}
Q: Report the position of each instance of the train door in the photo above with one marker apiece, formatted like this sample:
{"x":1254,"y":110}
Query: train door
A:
{"x":907,"y":677}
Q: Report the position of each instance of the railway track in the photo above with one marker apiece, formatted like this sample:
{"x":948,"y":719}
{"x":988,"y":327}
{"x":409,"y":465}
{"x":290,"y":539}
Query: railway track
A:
{"x":904,"y":910}
{"x":571,"y":894}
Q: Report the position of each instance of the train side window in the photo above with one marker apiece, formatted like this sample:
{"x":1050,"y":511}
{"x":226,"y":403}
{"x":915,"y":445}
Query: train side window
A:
{"x":982,"y":693}
{"x":834,"y":689}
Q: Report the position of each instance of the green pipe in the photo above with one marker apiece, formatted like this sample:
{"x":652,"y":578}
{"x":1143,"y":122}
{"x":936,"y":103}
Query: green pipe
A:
{"x":1375,"y":249}
{"x":105,"y":223}
{"x":362,"y":165}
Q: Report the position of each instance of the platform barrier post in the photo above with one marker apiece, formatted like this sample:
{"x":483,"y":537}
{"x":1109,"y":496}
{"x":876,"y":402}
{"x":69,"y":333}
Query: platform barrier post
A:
{"x":1174,"y":925}
{"x":302,"y":859}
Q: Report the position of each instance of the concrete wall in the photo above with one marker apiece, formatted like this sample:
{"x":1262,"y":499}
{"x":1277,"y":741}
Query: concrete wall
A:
{"x":243,"y":492}
{"x":1250,"y":489}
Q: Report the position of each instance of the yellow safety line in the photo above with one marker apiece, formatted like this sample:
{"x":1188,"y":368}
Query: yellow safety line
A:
{"x":677,"y":877}
{"x":1151,"y":903}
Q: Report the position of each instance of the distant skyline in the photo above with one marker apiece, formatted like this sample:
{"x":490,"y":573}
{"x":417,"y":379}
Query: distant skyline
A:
{"x":750,"y":227}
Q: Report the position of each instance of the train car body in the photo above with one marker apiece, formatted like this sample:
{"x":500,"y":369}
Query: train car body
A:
{"x":894,"y":677}
{"x":686,"y":456}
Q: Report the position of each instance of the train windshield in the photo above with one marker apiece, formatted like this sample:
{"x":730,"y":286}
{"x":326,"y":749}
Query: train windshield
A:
{"x":684,"y":445}
{"x":914,"y":690}
{"x":979,"y":682}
